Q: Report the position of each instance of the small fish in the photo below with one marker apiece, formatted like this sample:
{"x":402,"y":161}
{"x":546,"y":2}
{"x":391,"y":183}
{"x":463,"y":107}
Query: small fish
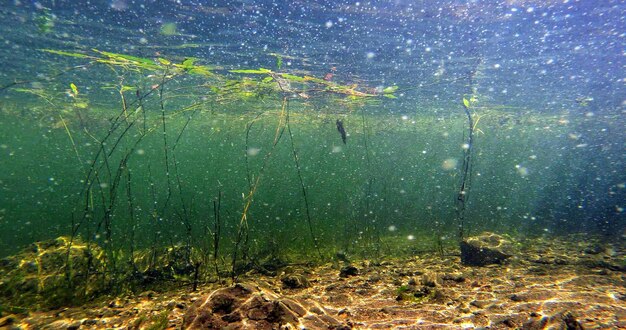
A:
{"x":341,"y":130}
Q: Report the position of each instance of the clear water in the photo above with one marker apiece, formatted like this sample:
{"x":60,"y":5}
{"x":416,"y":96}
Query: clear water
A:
{"x":544,"y":81}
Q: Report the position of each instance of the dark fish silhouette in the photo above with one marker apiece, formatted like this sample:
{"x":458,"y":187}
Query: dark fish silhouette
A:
{"x":341,"y":130}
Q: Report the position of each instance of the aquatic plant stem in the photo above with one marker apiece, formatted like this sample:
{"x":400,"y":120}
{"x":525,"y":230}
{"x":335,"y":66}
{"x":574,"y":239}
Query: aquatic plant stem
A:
{"x":304,"y":195}
{"x":165,"y":148}
{"x":69,"y":135}
{"x":93,"y":170}
{"x":94,"y":177}
{"x":185,"y":216}
{"x":217,"y":228}
{"x":131,"y":213}
{"x":243,"y":230}
{"x":462,"y":196}
{"x":248,"y":128}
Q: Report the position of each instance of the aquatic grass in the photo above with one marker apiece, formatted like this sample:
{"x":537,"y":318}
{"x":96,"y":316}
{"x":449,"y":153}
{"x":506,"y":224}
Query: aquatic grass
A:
{"x":111,"y":207}
{"x":241,"y":241}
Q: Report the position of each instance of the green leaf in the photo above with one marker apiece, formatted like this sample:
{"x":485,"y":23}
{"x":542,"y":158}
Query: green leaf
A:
{"x":201,"y":70}
{"x":391,"y":96}
{"x":122,"y":59}
{"x":60,"y":52}
{"x":466,"y":103}
{"x":125,"y":57}
{"x":164,"y":61}
{"x":252,"y":71}
{"x":187,"y":64}
{"x":292,"y":77}
{"x":390,"y":89}
{"x":74,"y":89}
{"x":318,"y":80}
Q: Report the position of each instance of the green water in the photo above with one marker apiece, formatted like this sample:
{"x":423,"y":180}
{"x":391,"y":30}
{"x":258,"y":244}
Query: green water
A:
{"x":396,"y":176}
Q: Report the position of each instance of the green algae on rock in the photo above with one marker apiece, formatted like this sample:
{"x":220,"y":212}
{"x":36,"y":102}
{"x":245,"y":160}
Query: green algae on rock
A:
{"x":51,"y":273}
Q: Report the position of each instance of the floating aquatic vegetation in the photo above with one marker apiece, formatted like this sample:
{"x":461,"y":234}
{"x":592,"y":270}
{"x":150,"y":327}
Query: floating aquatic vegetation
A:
{"x":242,"y":86}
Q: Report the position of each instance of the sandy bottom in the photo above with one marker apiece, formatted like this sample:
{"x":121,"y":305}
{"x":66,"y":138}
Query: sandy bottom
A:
{"x":552,"y":284}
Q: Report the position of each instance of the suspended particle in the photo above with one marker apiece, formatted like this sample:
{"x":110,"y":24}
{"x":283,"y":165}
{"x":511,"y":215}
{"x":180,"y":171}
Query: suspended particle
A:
{"x":253,"y":151}
{"x":449,"y":164}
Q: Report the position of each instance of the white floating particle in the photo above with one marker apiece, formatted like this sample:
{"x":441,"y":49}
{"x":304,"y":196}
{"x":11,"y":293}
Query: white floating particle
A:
{"x":253,"y":151}
{"x":449,"y":164}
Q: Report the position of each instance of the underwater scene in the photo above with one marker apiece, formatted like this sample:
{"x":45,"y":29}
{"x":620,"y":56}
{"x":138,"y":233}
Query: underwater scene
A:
{"x":287,"y":164}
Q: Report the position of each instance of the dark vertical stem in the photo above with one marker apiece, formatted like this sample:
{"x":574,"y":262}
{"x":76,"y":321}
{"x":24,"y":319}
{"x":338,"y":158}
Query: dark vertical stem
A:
{"x":302,"y":186}
{"x":183,"y":129}
{"x":466,"y":168}
{"x":165,"y":148}
{"x":217,"y":228}
{"x":131,"y":211}
{"x":185,"y":216}
{"x":155,"y":220}
{"x":462,"y":196}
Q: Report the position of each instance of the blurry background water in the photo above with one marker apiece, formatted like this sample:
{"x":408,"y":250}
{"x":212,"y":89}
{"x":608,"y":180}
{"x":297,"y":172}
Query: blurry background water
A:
{"x":547,"y":76}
